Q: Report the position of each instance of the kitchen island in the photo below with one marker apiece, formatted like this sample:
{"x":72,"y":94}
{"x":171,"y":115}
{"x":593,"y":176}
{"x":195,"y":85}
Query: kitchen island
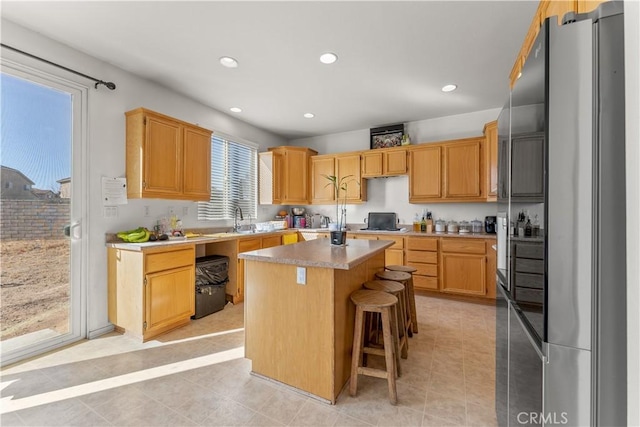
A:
{"x":298,"y":316}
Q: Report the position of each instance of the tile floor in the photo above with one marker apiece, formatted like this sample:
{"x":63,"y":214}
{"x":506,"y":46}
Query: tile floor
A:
{"x":197,"y":376}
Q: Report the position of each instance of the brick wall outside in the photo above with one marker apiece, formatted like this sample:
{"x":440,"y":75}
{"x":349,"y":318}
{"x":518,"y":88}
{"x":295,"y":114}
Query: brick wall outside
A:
{"x":33,"y":219}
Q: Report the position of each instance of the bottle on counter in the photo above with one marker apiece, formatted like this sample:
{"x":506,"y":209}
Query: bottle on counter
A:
{"x":416,"y":223}
{"x":536,"y":226}
{"x":528,"y":228}
{"x":423,"y":225}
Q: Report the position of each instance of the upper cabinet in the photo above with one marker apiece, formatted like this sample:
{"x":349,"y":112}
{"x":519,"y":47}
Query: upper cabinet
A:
{"x":284,"y":175}
{"x":491,"y":152}
{"x":450,"y":171}
{"x":384,"y":162}
{"x":527,"y":167}
{"x":339,"y":165}
{"x":548,"y":8}
{"x":166,"y":157}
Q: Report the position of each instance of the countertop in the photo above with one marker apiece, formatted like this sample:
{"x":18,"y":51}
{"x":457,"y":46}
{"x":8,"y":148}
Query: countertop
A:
{"x":404,"y":233}
{"x":114,"y":242}
{"x":320,"y":253}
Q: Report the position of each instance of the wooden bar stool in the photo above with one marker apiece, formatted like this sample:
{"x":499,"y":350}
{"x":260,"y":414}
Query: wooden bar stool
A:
{"x":403,"y":278}
{"x":374,"y":302}
{"x":410,"y":293}
{"x":401,"y":343}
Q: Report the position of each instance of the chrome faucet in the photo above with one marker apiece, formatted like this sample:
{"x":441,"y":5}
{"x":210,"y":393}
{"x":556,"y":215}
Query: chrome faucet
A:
{"x":236,"y":228}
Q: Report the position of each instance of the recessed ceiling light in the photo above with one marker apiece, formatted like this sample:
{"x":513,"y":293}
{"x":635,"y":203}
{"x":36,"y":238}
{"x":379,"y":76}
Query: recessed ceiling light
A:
{"x":309,"y":115}
{"x":228,"y":62}
{"x":236,"y":109}
{"x":328,"y":58}
{"x":449,"y":88}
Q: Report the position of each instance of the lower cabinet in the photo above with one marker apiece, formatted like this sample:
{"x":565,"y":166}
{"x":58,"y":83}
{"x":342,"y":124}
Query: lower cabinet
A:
{"x":151,"y":291}
{"x":422,"y":253}
{"x":394,"y":254}
{"x":464,"y":266}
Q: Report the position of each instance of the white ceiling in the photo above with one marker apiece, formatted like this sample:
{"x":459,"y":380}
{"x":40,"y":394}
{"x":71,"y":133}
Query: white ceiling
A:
{"x":394,"y":56}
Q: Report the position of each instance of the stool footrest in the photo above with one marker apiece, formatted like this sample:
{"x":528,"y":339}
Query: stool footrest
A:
{"x":373,"y":350}
{"x":373,"y":372}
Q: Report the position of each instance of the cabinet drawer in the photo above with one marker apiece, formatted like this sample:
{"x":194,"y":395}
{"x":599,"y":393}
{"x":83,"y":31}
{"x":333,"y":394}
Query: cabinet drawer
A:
{"x":268,"y":242}
{"x":398,"y":241}
{"x":249,"y":245}
{"x":524,"y":265}
{"x":168,"y":260}
{"x":529,"y":251}
{"x":422,"y":244}
{"x":529,"y":295}
{"x":424,"y":269}
{"x":463,"y":246}
{"x":424,"y":282}
{"x":529,"y":280}
{"x":422,"y":256}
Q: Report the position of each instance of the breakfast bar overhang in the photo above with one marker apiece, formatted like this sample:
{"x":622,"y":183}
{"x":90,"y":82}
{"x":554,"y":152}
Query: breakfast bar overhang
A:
{"x":298,"y":316}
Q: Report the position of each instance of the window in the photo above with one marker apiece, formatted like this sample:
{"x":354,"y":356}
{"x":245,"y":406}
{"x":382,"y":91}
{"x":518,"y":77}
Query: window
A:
{"x":234,"y":179}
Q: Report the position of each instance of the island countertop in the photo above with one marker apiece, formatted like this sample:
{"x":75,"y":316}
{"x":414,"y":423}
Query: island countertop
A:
{"x":320,"y":253}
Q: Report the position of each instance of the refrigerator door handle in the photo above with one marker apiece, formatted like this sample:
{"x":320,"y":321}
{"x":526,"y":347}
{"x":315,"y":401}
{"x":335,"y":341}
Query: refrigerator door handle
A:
{"x":527,"y":330}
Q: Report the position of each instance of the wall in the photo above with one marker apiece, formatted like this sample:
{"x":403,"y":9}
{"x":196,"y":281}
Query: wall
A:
{"x":105,"y":147}
{"x":33,"y":219}
{"x":392,"y":194}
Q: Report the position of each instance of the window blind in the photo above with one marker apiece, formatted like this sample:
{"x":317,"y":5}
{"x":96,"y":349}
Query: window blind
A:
{"x":233,"y":179}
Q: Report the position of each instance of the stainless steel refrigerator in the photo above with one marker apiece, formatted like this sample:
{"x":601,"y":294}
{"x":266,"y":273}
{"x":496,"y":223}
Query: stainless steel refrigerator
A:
{"x":561,"y":319}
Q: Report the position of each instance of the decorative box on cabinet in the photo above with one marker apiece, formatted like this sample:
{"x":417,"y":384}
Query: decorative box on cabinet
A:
{"x":284,"y":175}
{"x":152,"y":291}
{"x":166,"y":158}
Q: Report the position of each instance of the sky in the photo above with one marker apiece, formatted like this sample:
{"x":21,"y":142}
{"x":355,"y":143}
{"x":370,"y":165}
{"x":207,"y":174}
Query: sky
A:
{"x":35,"y":125}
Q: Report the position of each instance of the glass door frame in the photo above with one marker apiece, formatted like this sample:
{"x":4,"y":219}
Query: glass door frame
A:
{"x":78,"y":215}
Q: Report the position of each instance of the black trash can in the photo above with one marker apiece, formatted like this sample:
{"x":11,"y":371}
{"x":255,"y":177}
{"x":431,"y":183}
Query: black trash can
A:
{"x":212,"y":275}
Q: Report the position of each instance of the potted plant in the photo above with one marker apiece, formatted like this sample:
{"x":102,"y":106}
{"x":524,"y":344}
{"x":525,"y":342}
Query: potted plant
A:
{"x":339,"y":236}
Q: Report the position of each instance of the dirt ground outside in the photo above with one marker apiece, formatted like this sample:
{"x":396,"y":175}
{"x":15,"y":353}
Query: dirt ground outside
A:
{"x":34,"y":286}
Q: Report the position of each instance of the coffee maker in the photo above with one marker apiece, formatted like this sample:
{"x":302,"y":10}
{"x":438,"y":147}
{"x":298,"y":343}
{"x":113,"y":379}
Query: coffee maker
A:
{"x":490,"y":224}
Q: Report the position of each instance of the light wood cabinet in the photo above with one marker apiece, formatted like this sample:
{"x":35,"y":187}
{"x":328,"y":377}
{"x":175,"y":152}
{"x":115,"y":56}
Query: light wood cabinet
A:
{"x":448,"y":171}
{"x":547,"y":8}
{"x":166,"y":158}
{"x":464,"y":266}
{"x":491,"y":144}
{"x":394,"y":254}
{"x":422,"y":253}
{"x":339,"y":165}
{"x":384,"y":162}
{"x":284,"y":175}
{"x":425,"y":176}
{"x":464,"y":169}
{"x":151,"y":291}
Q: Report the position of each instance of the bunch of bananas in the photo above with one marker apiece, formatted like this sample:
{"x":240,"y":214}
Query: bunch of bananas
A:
{"x":139,"y":235}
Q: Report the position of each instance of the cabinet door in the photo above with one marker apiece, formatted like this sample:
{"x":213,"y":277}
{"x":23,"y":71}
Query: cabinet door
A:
{"x":503,"y":169}
{"x":424,"y":174}
{"x":169,"y":297}
{"x":557,"y":8}
{"x":321,"y":189}
{"x":462,"y":170}
{"x":463,"y":273}
{"x":162,"y":157}
{"x":278,"y":178}
{"x":295,"y":174}
{"x":491,"y":144}
{"x":394,"y":257}
{"x":395,"y":162}
{"x":527,"y":167}
{"x":349,"y":165}
{"x":371,"y":164}
{"x":584,"y":6}
{"x":271,"y":241}
{"x":196,"y":164}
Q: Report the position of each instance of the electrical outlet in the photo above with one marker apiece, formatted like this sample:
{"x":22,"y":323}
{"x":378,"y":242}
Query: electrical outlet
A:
{"x":301,"y":275}
{"x":147,"y":211}
{"x":185,"y":211}
{"x":172,"y":211}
